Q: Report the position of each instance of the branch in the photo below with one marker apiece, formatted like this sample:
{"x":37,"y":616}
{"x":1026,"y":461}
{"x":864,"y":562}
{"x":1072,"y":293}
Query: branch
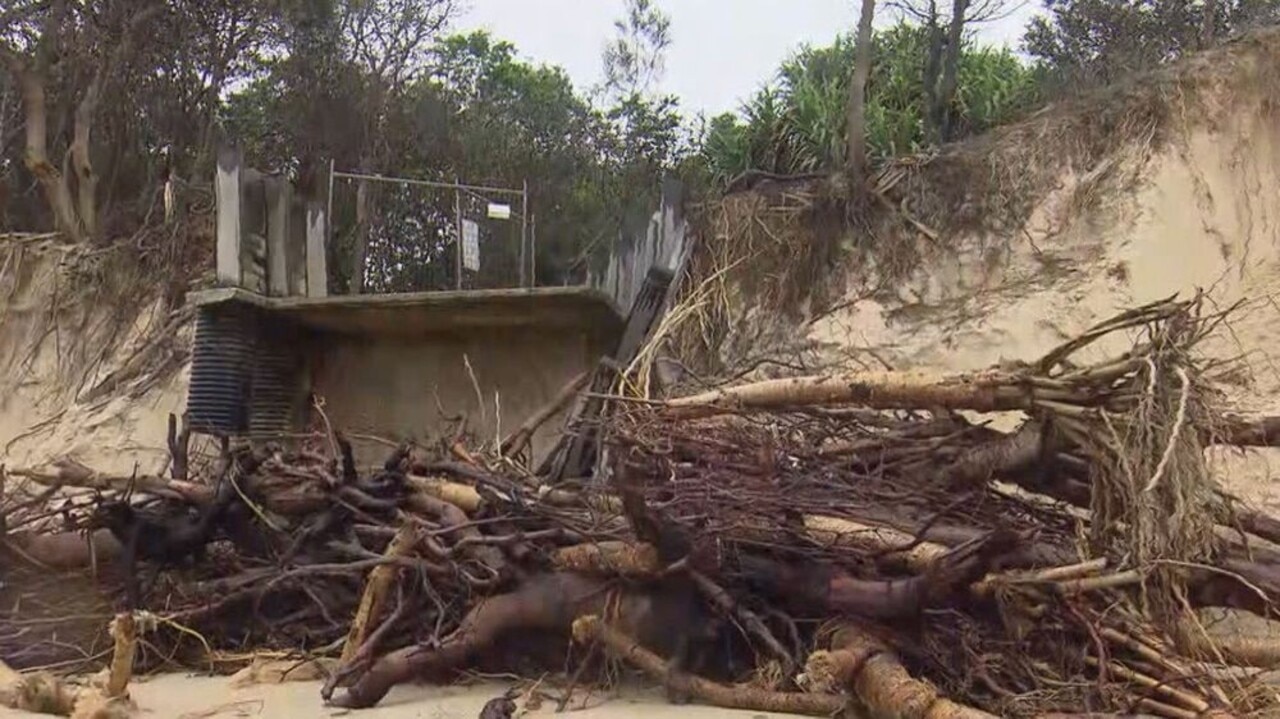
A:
{"x":70,"y":473}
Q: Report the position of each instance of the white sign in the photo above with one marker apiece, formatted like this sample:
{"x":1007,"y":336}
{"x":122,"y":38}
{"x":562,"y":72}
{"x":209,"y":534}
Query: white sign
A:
{"x":470,"y":245}
{"x":499,"y":212}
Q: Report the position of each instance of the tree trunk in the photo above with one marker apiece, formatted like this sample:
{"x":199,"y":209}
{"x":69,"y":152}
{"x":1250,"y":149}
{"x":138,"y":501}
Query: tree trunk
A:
{"x":52,"y":182}
{"x":857,"y":111}
{"x":932,"y":71}
{"x":81,"y":163}
{"x":951,"y":69}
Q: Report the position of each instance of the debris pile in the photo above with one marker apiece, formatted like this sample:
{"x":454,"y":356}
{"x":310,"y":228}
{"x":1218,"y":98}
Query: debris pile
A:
{"x":806,"y":545}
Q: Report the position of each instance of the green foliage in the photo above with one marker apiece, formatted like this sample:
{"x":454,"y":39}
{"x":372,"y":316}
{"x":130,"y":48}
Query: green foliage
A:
{"x":633,"y":59}
{"x":1092,"y":42}
{"x":797,"y":124}
{"x":480,"y":114}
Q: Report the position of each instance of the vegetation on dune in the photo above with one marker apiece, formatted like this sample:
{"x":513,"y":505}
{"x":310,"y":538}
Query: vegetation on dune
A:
{"x":797,"y":124}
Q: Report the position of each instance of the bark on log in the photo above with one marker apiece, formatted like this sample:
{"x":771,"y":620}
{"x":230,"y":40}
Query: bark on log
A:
{"x":876,"y":676}
{"x":1257,"y":523}
{"x":589,"y":629}
{"x":987,"y":391}
{"x":1009,"y":454}
{"x":626,"y":559}
{"x":1248,"y":651}
{"x":463,"y":496}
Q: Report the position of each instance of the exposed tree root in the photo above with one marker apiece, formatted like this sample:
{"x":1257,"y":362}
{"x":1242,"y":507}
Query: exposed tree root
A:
{"x":591,"y":628}
{"x":548,"y":602}
{"x":831,"y":590}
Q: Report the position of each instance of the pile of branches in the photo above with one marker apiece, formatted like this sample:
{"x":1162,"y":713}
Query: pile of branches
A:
{"x":808,"y":545}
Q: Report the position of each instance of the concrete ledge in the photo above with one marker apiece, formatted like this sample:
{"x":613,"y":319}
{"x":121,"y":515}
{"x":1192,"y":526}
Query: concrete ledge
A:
{"x":416,"y":313}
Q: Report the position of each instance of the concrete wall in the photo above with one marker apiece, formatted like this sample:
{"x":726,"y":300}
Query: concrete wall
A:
{"x":411,"y":387}
{"x":660,"y":243}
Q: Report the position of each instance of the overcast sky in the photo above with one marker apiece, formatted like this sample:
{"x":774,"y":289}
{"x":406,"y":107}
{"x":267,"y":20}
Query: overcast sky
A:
{"x":721,"y":50}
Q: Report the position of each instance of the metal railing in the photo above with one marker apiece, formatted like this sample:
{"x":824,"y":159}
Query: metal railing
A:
{"x":409,"y":234}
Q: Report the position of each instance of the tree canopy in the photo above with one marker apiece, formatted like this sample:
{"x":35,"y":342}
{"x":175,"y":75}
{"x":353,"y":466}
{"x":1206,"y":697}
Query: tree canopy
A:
{"x":102,"y":101}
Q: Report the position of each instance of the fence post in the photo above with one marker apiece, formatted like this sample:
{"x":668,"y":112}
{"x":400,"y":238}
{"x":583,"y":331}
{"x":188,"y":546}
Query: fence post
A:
{"x":457,"y":210}
{"x":524,"y":230}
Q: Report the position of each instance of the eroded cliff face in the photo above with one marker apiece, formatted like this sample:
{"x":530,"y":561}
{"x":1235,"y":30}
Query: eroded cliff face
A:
{"x":86,"y":372}
{"x":1192,"y":205}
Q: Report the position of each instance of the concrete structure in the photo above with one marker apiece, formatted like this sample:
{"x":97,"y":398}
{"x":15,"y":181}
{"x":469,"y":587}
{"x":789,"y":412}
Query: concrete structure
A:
{"x":408,"y":366}
{"x":272,"y":339}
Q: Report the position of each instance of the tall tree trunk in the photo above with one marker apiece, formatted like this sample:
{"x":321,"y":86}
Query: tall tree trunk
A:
{"x":856,"y":156}
{"x":951,"y":68}
{"x":932,"y":71}
{"x":81,"y":163}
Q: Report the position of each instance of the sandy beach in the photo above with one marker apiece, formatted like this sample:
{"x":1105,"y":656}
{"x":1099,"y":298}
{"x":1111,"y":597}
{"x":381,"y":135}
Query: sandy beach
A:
{"x":179,"y":696}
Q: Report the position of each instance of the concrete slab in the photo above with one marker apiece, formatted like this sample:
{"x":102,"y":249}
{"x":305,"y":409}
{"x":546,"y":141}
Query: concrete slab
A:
{"x":417,"y":313}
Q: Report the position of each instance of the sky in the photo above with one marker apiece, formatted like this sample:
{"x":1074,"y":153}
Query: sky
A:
{"x":721,"y":50}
